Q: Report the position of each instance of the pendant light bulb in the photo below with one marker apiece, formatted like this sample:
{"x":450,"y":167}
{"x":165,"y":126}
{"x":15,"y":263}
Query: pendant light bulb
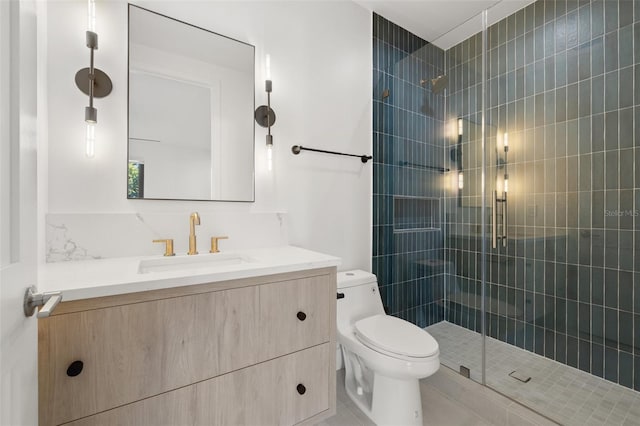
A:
{"x":269,"y":152}
{"x":90,"y":147}
{"x":267,"y":67}
{"x":91,"y":16}
{"x":270,"y":157}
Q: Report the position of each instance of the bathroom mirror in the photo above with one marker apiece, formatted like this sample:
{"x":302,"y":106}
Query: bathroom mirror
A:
{"x":191,"y":108}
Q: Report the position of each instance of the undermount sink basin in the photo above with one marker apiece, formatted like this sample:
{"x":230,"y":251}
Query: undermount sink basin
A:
{"x":202,"y":261}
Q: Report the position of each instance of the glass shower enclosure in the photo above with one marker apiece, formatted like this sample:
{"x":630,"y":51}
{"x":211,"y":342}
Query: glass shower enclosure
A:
{"x":507,"y":202}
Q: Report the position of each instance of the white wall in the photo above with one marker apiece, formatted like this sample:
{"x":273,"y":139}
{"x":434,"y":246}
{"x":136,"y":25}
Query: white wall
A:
{"x":321,"y":72}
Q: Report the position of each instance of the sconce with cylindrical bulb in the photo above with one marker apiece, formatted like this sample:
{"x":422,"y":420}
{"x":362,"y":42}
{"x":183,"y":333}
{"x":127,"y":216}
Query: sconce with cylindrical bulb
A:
{"x":92,"y":81}
{"x":460,"y":126}
{"x":460,"y":180}
{"x":264,"y":115}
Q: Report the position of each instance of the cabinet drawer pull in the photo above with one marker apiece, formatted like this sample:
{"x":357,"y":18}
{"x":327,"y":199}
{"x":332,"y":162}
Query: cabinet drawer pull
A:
{"x":301,"y":389}
{"x":75,"y":368}
{"x":301,"y":316}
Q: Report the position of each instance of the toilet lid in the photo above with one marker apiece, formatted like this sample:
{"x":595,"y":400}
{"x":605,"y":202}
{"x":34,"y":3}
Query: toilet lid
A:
{"x":396,"y":336}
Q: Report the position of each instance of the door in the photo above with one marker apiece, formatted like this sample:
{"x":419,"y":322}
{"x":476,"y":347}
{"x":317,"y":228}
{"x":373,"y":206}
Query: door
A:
{"x":18,"y":219}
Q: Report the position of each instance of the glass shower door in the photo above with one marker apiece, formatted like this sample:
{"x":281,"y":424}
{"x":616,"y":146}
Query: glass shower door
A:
{"x":465,"y":209}
{"x":541,"y":219}
{"x":560,"y":308}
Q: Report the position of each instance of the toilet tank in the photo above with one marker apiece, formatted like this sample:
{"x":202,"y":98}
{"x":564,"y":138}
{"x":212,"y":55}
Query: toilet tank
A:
{"x":361,"y":297}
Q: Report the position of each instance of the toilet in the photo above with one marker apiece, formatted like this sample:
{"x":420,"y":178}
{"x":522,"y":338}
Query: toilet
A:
{"x":384,"y":356}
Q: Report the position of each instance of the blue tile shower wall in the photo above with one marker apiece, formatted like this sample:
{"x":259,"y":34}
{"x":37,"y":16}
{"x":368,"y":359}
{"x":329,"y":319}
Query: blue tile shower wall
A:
{"x":408,"y":137}
{"x":564,"y":82}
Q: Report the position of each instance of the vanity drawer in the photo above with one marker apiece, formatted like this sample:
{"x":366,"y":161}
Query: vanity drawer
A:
{"x":264,"y":394}
{"x":135,"y":351}
{"x":296,"y":314}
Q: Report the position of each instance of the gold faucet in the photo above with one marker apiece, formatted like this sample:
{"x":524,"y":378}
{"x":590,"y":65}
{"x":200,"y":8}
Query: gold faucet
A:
{"x":168,"y":248}
{"x":194,"y":220}
{"x":214,"y":244}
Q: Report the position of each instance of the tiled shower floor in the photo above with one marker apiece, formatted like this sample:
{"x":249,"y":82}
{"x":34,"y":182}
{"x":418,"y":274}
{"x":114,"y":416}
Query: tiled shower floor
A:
{"x":565,"y":394}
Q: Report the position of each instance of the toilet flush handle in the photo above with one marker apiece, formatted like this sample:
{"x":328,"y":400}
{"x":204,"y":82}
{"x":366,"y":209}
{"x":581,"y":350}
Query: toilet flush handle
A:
{"x":340,"y":296}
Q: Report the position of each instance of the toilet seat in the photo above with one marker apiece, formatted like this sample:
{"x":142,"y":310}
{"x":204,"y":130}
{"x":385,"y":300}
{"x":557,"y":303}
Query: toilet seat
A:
{"x":395,"y":337}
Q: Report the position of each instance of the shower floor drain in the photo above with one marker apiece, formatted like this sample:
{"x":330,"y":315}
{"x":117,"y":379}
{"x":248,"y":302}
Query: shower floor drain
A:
{"x":465,"y":372}
{"x":520,"y":376}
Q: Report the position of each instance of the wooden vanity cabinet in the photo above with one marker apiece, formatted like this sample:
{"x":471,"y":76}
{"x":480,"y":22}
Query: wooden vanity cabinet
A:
{"x":252,"y":351}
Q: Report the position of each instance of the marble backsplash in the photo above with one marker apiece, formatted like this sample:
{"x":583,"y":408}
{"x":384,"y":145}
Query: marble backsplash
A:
{"x":83,"y":236}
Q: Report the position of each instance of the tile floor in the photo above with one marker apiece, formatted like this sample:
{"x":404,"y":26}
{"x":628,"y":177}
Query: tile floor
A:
{"x":565,"y":394}
{"x":448,"y":399}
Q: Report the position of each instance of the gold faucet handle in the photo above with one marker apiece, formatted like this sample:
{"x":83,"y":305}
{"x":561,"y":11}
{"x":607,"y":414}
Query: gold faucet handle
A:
{"x":168,"y":248}
{"x":214,"y":244}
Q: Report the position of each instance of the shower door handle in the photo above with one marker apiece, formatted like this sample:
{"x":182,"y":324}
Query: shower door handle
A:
{"x":494,"y":221}
{"x":503,"y":235}
{"x":494,"y":216}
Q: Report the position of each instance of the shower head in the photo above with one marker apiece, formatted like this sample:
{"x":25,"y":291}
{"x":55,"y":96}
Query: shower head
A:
{"x":438,"y":84}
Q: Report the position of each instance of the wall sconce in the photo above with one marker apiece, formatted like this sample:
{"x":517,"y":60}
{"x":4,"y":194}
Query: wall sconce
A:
{"x":92,"y":81}
{"x":264,"y":115}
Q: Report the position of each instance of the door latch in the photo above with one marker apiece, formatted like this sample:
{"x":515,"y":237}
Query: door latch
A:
{"x":48,"y":300}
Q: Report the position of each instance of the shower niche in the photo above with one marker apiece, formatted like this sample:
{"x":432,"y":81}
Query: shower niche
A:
{"x":416,"y":214}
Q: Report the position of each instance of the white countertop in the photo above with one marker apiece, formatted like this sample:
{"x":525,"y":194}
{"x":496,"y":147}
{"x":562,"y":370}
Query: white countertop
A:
{"x":108,"y":277}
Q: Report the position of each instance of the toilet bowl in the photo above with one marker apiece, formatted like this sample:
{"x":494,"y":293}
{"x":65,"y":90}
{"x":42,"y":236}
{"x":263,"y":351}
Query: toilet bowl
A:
{"x":384,"y":356}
